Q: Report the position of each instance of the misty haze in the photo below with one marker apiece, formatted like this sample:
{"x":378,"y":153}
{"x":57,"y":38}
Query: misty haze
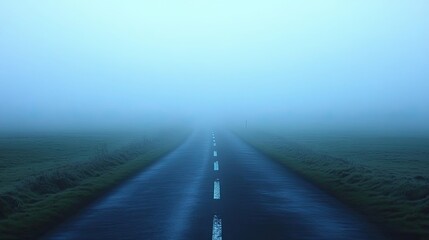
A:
{"x":214,"y":119}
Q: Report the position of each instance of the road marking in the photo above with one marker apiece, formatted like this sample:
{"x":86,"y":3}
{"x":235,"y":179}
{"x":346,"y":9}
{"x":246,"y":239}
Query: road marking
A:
{"x":216,"y":189}
{"x":217,"y":228}
{"x":217,"y":222}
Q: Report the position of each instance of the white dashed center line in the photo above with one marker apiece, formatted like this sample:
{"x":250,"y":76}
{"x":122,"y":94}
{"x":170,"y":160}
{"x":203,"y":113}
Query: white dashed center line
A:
{"x":216,"y":166}
{"x":217,"y":228}
{"x":216,"y":189}
{"x":217,"y":222}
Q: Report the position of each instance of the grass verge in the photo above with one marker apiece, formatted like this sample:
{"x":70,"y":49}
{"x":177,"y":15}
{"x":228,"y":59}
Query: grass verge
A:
{"x":34,"y":203}
{"x":387,"y":179}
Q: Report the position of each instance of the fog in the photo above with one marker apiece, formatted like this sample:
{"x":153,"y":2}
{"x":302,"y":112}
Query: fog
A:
{"x":304,"y":64}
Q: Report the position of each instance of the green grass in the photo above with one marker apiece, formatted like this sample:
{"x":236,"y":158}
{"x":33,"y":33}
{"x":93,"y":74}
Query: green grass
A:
{"x":386,"y":178}
{"x":45,"y":179}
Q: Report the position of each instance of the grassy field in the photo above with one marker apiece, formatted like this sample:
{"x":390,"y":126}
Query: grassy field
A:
{"x":386,"y":178}
{"x":44,"y":178}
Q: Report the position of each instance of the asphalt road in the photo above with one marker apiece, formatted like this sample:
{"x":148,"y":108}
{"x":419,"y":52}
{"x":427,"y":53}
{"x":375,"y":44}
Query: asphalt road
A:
{"x":214,"y":186}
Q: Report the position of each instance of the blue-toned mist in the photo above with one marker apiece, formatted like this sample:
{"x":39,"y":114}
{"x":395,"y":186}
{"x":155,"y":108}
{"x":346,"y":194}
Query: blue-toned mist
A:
{"x":336,"y":64}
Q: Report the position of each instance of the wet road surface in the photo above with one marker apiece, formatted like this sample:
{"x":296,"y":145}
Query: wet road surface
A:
{"x":214,"y":186}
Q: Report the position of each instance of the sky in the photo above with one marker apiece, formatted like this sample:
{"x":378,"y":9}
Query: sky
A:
{"x":299,"y":63}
